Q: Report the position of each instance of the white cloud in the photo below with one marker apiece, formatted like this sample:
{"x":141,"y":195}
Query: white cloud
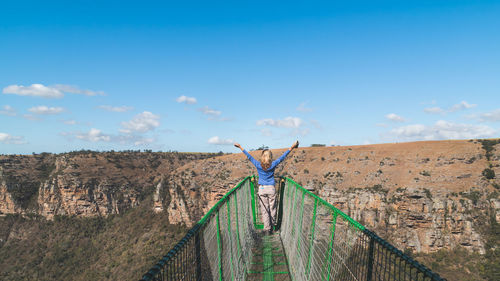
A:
{"x":394,"y":117}
{"x":45,"y":110}
{"x":186,"y":100}
{"x":69,"y":122}
{"x":441,"y":130}
{"x":456,"y":107}
{"x":302,"y":107}
{"x":434,"y":110}
{"x":8,"y":110}
{"x":461,"y":106}
{"x":288,"y":122}
{"x":116,"y":108}
{"x":75,"y":90}
{"x":141,"y":123}
{"x":493,"y":116}
{"x":8,"y":139}
{"x":209,"y":111}
{"x":219,"y":141}
{"x":35,"y":90}
{"x":40,"y":90}
{"x":383,"y":125}
{"x":94,"y":135}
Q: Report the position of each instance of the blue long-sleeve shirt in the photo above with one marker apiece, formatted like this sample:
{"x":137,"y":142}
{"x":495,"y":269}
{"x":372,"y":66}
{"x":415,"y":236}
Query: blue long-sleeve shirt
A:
{"x":266,"y":177}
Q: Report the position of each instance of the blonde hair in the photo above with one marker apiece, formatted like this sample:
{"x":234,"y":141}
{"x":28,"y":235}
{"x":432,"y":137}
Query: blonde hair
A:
{"x":266,"y":159}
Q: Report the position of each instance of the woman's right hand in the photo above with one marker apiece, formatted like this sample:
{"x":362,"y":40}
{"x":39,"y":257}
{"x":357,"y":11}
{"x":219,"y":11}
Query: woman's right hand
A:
{"x":295,"y":145}
{"x":238,"y":145}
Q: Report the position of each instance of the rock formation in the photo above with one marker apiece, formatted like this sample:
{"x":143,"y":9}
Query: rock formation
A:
{"x":422,"y":196}
{"x":83,"y":183}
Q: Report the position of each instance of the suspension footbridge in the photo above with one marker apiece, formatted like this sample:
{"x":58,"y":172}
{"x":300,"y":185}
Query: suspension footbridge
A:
{"x":314,"y":241}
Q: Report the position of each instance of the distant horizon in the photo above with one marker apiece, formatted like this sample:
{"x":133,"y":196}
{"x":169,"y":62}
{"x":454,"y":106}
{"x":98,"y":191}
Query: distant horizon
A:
{"x":238,"y":151}
{"x":199,"y":76}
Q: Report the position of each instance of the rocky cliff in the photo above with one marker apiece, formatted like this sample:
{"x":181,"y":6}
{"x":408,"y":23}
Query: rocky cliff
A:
{"x":83,"y":183}
{"x":422,"y":196}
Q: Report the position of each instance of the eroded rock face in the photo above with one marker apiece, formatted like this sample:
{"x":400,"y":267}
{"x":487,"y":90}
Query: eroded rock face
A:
{"x":7,"y":205}
{"x":83,"y":183}
{"x":424,"y":196}
{"x":412,"y":218}
{"x":62,"y":197}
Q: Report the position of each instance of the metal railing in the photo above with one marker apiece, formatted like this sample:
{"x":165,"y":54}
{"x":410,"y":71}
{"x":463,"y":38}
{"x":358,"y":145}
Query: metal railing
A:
{"x":323,"y":243}
{"x":320,"y":242}
{"x":218,"y":246}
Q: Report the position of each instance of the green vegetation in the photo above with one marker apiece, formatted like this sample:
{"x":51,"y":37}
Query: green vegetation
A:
{"x":488,"y":173}
{"x":471,"y":160}
{"x":472,"y":195}
{"x":457,"y":264}
{"x":120,"y":247}
{"x":23,"y":193}
{"x":460,"y":264}
{"x":378,"y":188}
{"x":493,"y":195}
{"x":400,"y":189}
{"x":428,"y":193}
{"x":425,"y":173}
{"x":488,"y":146}
{"x":45,"y":170}
{"x":318,"y":145}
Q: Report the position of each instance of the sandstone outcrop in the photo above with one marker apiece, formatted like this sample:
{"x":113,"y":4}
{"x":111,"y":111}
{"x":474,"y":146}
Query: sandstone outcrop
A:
{"x":83,"y":183}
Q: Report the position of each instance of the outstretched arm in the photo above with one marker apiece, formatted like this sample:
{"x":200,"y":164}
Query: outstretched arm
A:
{"x":254,"y":162}
{"x":284,"y":155}
{"x":238,"y":146}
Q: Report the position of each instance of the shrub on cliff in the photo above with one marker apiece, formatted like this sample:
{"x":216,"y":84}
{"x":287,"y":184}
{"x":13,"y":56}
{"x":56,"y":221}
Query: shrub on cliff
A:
{"x":488,"y":173}
{"x":488,"y":146}
{"x":22,"y":194}
{"x":119,"y":247}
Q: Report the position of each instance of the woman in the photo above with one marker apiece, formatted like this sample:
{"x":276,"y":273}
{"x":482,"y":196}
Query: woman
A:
{"x":267,"y":193}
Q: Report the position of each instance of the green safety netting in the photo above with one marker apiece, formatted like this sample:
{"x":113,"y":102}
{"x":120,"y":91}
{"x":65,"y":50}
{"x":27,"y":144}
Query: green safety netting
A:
{"x":315,"y":241}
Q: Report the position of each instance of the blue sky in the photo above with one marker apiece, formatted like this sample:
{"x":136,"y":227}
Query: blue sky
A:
{"x":196,"y":76}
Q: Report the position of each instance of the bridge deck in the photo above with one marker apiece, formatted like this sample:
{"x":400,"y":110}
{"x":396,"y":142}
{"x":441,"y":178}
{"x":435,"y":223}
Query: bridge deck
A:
{"x":269,"y":261}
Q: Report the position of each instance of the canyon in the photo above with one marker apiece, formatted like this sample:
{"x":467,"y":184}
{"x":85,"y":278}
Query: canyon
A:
{"x":420,"y":196}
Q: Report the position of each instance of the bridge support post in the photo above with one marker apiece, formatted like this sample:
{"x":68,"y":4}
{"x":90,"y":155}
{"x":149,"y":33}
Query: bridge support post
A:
{"x":371,"y":249}
{"x":280,"y":204}
{"x":197,"y":249}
